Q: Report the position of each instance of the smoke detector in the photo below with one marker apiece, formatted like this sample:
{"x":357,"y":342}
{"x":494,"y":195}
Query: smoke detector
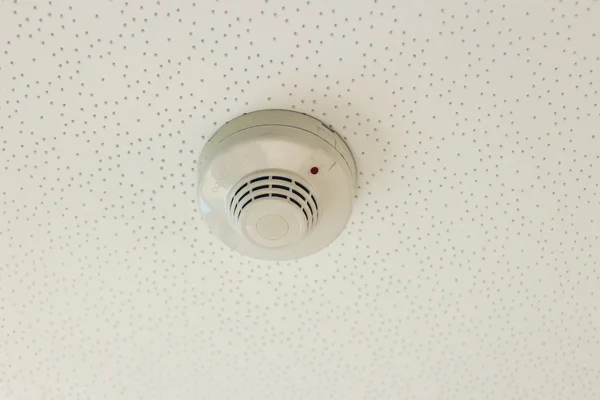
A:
{"x":276,"y":184}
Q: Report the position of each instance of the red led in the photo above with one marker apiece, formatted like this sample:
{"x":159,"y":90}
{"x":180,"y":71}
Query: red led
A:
{"x":314,"y":170}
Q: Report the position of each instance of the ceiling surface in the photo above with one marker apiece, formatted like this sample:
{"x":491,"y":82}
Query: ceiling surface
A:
{"x":469,"y":268}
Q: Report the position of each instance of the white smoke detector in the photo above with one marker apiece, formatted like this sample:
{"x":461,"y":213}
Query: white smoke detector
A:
{"x":276,"y":184}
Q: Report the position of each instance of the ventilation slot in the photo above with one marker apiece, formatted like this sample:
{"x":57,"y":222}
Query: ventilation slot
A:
{"x":300,"y":185}
{"x":277,"y":186}
{"x":298,"y":194}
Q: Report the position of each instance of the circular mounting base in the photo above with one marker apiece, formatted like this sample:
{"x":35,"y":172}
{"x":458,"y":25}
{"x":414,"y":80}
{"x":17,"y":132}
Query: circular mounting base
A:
{"x":276,"y":184}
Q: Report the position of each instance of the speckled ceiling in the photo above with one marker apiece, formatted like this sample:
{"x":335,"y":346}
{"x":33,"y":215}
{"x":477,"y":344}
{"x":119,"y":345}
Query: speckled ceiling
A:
{"x":470,"y":266}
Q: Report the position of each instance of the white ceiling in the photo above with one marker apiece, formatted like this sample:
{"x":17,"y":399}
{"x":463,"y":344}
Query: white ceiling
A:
{"x":470,"y":267}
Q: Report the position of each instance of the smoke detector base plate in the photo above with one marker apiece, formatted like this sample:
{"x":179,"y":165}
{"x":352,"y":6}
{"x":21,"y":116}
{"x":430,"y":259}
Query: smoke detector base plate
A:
{"x":276,"y":184}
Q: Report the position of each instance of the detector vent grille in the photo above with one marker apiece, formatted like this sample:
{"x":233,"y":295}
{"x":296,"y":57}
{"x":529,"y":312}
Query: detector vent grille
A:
{"x":274,"y":186}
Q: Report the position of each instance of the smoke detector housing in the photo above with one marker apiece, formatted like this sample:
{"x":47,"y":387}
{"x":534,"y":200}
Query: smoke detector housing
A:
{"x":276,"y":184}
